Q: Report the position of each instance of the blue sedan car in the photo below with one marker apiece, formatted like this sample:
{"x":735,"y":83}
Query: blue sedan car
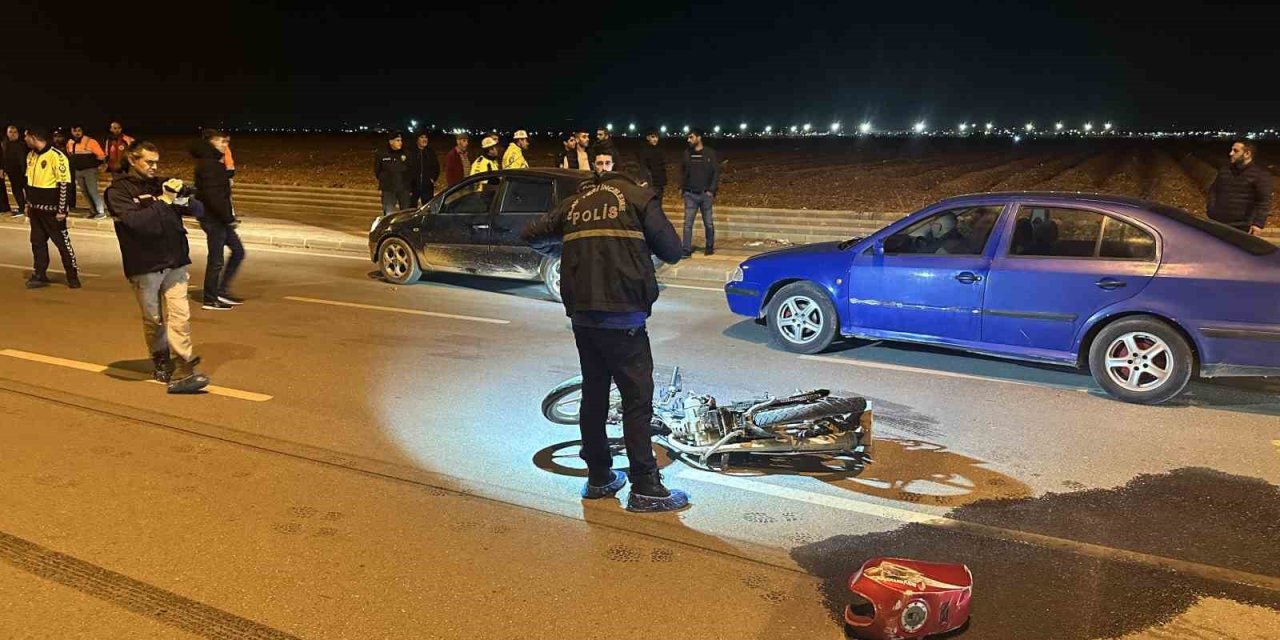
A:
{"x":1142,"y":294}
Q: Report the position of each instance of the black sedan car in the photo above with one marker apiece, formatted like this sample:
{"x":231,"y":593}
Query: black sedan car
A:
{"x":474,"y":227}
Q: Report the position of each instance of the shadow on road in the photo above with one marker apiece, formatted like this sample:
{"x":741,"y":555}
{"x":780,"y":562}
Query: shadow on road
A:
{"x":1029,"y":591}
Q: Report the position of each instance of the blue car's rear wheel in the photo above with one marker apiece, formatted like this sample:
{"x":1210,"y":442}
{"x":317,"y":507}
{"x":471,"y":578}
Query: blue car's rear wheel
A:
{"x":802,"y":319}
{"x":1141,"y":359}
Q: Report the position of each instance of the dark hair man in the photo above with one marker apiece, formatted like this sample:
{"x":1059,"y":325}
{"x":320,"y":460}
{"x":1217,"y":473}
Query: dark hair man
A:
{"x":391,"y":167}
{"x":213,"y":189}
{"x":48,"y":193}
{"x":584,"y":147}
{"x":153,"y":246}
{"x":13,"y":162}
{"x":457,"y":165}
{"x":606,"y":235}
{"x":1240,"y":196}
{"x":604,"y":144}
{"x":568,"y":159}
{"x":654,"y":163}
{"x":700,"y":179}
{"x":117,"y":146}
{"x":86,"y":155}
{"x":424,"y":169}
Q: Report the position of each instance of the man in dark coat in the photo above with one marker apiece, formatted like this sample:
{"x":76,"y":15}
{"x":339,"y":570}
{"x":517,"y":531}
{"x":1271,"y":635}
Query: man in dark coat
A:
{"x":1240,"y":196}
{"x":391,"y":168}
{"x":424,"y":169}
{"x":213,"y":190}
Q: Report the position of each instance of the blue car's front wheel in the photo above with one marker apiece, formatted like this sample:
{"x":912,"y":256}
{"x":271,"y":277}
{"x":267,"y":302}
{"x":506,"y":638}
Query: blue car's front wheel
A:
{"x":802,"y":319}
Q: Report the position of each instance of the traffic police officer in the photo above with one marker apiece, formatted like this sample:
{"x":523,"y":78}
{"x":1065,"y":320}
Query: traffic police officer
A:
{"x":606,"y":235}
{"x":48,"y":192}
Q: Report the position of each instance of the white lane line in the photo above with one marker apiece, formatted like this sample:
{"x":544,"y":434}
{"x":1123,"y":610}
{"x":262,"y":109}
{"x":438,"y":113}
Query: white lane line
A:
{"x":125,"y":373}
{"x":414,"y":312}
{"x":28,"y":268}
{"x":907,"y":516}
{"x":942,"y":374}
{"x":686,"y":286}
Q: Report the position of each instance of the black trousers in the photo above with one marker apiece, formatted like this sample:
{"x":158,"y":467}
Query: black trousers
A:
{"x":421,"y":194}
{"x":622,"y":357}
{"x":45,"y":227}
{"x":18,"y":185}
{"x":220,"y":237}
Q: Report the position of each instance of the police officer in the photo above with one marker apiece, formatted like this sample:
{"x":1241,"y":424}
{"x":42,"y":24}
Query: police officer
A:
{"x":391,"y":168}
{"x":606,"y":235}
{"x":48,"y":193}
{"x":489,"y":159}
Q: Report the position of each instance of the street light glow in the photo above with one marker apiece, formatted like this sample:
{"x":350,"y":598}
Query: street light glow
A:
{"x":793,"y":128}
{"x":609,"y":127}
{"x":1029,"y":127}
{"x":835,"y":126}
{"x":1058,"y":127}
{"x":1088,"y":126}
{"x":920,"y":127}
{"x":742,"y":127}
{"x":663,"y":128}
{"x":807,"y":127}
{"x":990,"y":126}
{"x":716,"y":129}
{"x":768,"y":129}
{"x":963,"y":127}
{"x":864,"y":127}
{"x":1107,"y":126}
{"x":686,"y":128}
{"x":631,"y":127}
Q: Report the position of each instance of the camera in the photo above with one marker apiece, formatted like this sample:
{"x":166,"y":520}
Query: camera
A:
{"x":183,"y":190}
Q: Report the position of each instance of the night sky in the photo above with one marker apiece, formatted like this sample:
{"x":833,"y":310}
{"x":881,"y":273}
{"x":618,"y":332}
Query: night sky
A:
{"x":171,"y":66}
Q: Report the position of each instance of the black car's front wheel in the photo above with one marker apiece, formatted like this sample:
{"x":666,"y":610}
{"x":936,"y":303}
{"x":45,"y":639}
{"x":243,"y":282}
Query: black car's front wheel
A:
{"x":398,"y":262}
{"x":551,"y":277}
{"x":802,"y":318}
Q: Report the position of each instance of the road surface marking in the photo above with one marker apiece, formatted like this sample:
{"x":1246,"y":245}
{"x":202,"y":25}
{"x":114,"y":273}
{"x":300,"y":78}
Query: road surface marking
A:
{"x":1012,"y":535}
{"x":414,"y":312}
{"x":1277,"y":445}
{"x":125,"y":373}
{"x":28,"y":268}
{"x":685,"y":286}
{"x":934,"y":372}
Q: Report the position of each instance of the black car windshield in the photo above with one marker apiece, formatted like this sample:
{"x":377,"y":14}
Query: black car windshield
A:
{"x":1253,"y":244}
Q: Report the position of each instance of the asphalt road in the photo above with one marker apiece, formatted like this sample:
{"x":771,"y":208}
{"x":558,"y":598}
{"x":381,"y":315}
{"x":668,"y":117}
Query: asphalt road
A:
{"x":373,"y":464}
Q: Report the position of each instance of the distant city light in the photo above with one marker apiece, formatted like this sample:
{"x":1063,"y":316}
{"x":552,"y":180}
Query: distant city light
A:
{"x":1107,"y":126}
{"x":1017,"y":138}
{"x":686,"y":128}
{"x":864,"y":127}
{"x":807,"y":127}
{"x":963,"y":127}
{"x":609,"y":127}
{"x":1029,"y":127}
{"x":663,"y":128}
{"x":794,"y":128}
{"x":1088,"y":126}
{"x":768,"y":129}
{"x":990,"y":126}
{"x":742,"y":127}
{"x":1058,"y":127}
{"x":920,"y":127}
{"x":716,"y":129}
{"x":631,"y":127}
{"x":835,"y":127}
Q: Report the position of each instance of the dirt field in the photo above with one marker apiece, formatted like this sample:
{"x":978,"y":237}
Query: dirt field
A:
{"x":819,"y":173}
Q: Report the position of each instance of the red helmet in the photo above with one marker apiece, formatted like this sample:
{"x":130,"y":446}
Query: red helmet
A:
{"x":895,"y":598}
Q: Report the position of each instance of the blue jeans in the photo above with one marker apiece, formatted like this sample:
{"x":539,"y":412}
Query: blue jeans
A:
{"x":693,"y":203}
{"x":87,"y":180}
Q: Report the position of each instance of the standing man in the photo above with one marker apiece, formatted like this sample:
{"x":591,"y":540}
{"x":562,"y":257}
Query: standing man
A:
{"x":48,"y":192}
{"x":423,"y":171}
{"x":606,"y":235}
{"x":488,"y":160}
{"x":213,"y":190}
{"x":1240,"y":196}
{"x":391,"y":167}
{"x":86,"y":155}
{"x":604,"y":144}
{"x":700,"y":179}
{"x":514,"y":157}
{"x":568,"y":159}
{"x":584,"y":149}
{"x":117,"y":146}
{"x":456,"y":163}
{"x":13,"y":162}
{"x":59,"y":142}
{"x":153,"y":246}
{"x":654,"y":163}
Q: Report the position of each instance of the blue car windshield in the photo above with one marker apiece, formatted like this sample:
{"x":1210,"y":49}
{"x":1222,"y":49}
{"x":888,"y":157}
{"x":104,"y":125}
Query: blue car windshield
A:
{"x":1253,"y":244}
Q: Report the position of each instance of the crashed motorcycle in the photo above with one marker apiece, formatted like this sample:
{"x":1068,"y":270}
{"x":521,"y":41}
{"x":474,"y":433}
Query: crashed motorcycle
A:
{"x":705,"y":433}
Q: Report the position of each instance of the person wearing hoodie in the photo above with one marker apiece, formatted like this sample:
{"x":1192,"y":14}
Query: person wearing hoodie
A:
{"x":391,"y":167}
{"x":213,"y":190}
{"x":153,"y":246}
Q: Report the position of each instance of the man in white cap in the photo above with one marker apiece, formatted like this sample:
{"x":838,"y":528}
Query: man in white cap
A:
{"x":488,"y":160}
{"x":514,"y":157}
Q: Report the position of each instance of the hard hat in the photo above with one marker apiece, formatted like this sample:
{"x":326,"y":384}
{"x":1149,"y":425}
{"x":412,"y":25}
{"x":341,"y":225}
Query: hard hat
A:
{"x":489,"y":141}
{"x":520,"y":135}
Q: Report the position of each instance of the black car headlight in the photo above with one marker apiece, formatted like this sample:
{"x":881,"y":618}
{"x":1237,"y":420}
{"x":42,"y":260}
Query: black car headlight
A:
{"x":376,"y":222}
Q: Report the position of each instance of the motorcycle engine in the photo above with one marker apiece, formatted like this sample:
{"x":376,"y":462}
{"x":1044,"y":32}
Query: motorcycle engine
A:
{"x":701,"y":423}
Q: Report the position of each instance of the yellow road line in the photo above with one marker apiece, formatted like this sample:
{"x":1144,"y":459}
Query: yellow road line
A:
{"x":1088,"y":549}
{"x":125,"y":373}
{"x":415,"y":312}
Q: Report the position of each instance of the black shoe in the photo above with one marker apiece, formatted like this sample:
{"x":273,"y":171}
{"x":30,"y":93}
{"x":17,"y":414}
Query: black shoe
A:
{"x":649,"y":495}
{"x":710,"y":251}
{"x":36,"y":282}
{"x":164,"y":367}
{"x":185,"y":379}
{"x":686,"y":254}
{"x":73,"y":283}
{"x":226,"y":298}
{"x":215,"y":305}
{"x":593,"y":491}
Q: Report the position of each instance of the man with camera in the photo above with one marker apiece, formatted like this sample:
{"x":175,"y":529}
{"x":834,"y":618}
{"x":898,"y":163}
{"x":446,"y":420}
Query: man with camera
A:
{"x":153,"y":245}
{"x":213,"y":189}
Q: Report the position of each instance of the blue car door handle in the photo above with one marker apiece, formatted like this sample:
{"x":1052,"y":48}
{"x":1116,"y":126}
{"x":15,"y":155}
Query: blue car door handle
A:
{"x":968,"y":277}
{"x":1109,"y":284}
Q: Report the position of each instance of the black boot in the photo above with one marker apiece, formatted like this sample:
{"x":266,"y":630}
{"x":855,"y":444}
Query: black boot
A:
{"x":163,"y":366}
{"x":37,"y":281}
{"x":648,"y":494}
{"x":185,"y":379}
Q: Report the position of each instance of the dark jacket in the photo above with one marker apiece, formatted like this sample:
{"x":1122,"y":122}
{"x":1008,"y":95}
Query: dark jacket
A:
{"x":424,"y":168}
{"x":700,"y":170}
{"x":213,"y":182}
{"x":150,"y":232}
{"x":654,"y":164}
{"x":392,"y":169}
{"x":1241,"y":197}
{"x":606,"y":235}
{"x":15,"y":157}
